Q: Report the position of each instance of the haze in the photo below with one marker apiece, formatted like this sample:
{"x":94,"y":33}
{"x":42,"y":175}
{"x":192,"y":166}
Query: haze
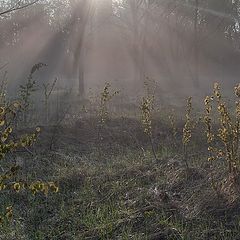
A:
{"x":123,"y":42}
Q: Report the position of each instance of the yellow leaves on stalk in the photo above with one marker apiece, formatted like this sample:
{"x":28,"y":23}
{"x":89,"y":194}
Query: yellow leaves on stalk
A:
{"x":9,"y":213}
{"x":2,"y":122}
{"x":105,"y":96}
{"x":38,"y":129}
{"x":2,"y":110}
{"x":7,"y":145}
{"x":17,"y":187}
{"x":16,"y":104}
{"x":43,"y":187}
{"x":4,"y":137}
{"x":9,"y":130}
{"x":210,"y":159}
{"x":238,"y":109}
{"x":228,"y":132}
{"x":146,"y":113}
{"x":237,"y":90}
{"x":53,"y":187}
{"x":210,"y":137}
{"x":2,"y":186}
{"x":23,"y":143}
{"x":188,"y":126}
{"x":216,"y":90}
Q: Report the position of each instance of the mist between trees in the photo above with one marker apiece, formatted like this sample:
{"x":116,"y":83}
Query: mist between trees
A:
{"x":119,"y":119}
{"x":184,"y":45}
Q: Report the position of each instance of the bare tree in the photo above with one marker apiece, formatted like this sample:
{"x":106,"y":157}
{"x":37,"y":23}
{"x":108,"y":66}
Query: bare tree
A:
{"x":196,"y":47}
{"x":81,"y":15}
{"x":133,"y":16}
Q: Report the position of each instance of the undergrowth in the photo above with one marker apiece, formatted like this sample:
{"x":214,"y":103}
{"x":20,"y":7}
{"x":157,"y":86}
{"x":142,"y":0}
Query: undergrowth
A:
{"x":190,"y":192}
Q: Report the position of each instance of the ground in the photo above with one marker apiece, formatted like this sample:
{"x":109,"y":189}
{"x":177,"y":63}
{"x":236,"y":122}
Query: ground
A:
{"x":111,"y":186}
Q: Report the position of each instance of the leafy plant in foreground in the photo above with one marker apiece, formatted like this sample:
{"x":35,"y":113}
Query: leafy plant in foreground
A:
{"x":224,"y":143}
{"x":8,"y":144}
{"x":147,"y":107}
{"x":213,"y":152}
{"x":105,"y":97}
{"x":103,"y":113}
{"x":187,"y":130}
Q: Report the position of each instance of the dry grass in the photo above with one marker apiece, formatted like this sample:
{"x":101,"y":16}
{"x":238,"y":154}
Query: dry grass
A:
{"x":113,"y":187}
{"x":125,"y":194}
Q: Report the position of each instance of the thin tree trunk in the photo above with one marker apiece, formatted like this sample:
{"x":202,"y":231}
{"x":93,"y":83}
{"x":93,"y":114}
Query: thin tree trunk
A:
{"x":81,"y":85}
{"x":196,"y":45}
{"x":84,"y":13}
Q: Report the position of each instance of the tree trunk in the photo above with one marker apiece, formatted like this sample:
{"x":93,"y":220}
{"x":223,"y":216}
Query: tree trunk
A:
{"x":81,"y":85}
{"x":81,"y":17}
{"x":196,"y":46}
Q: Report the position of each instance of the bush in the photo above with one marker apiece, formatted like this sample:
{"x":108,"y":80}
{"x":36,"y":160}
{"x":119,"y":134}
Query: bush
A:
{"x":10,"y":143}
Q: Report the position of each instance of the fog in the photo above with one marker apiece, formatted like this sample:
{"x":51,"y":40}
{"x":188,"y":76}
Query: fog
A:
{"x":119,"y":119}
{"x":86,"y":43}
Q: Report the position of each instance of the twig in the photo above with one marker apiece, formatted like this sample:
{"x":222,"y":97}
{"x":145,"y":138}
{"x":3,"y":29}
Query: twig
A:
{"x":16,"y":8}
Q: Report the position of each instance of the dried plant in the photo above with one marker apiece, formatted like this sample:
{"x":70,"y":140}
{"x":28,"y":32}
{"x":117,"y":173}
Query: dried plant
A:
{"x":229,"y":130}
{"x":8,"y":144}
{"x":173,"y":125}
{"x":3,"y":89}
{"x":225,"y":142}
{"x":105,"y":97}
{"x":147,"y":107}
{"x":187,"y":130}
{"x":213,"y":152}
{"x":48,"y":89}
{"x":27,"y":90}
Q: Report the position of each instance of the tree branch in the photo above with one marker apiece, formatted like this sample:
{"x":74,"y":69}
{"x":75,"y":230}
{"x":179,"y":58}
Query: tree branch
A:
{"x":17,"y":7}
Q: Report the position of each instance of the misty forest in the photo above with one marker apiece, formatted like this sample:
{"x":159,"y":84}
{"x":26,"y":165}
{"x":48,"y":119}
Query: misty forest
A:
{"x":119,"y":119}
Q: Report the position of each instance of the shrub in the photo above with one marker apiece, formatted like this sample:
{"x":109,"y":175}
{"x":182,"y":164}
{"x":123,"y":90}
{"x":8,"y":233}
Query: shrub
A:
{"x":147,"y":108}
{"x":48,"y":89}
{"x":225,"y":142}
{"x":187,"y":130}
{"x":105,"y":97}
{"x":27,"y":89}
{"x":9,"y":143}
